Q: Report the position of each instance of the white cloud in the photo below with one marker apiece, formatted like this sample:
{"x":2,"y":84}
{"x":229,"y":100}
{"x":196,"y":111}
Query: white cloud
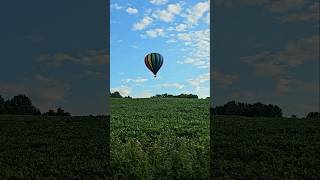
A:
{"x":181,"y":27}
{"x":278,"y":63}
{"x":87,"y":57}
{"x":196,"y":12}
{"x":45,"y":92}
{"x":197,"y":81}
{"x":168,"y":14}
{"x":155,"y":33}
{"x":171,"y":41}
{"x":158,"y":2}
{"x":143,"y":23}
{"x":116,"y":6}
{"x":202,"y":92}
{"x":198,"y":43}
{"x":224,"y":79}
{"x":163,"y":15}
{"x":136,"y":80}
{"x":143,"y":94}
{"x":174,"y":8}
{"x":132,"y":10}
{"x":207,"y":18}
{"x":123,"y":90}
{"x":184,"y":36}
{"x":174,"y":85}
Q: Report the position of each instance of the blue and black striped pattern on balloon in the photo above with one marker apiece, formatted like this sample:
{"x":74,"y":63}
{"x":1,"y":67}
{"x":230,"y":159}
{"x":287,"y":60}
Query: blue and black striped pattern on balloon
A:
{"x":154,"y":62}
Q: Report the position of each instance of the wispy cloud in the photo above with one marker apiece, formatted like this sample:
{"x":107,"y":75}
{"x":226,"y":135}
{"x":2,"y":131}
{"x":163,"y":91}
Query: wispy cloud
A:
{"x":284,"y":5}
{"x":158,"y":2}
{"x":197,"y":81}
{"x":87,"y":57}
{"x":172,"y":85}
{"x":168,"y":14}
{"x":311,"y":13}
{"x":116,"y":6}
{"x":123,"y":90}
{"x":285,"y":10}
{"x":223,"y":79}
{"x":143,"y":23}
{"x":135,"y":80}
{"x":143,"y":94}
{"x":45,"y":92}
{"x":181,"y":27}
{"x":153,"y":33}
{"x":132,"y":10}
{"x":277,"y":65}
{"x":199,"y":44}
{"x":197,"y":12}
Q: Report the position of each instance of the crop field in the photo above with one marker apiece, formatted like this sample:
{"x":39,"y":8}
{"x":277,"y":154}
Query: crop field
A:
{"x":265,"y":148}
{"x":35,"y":147}
{"x":158,"y":139}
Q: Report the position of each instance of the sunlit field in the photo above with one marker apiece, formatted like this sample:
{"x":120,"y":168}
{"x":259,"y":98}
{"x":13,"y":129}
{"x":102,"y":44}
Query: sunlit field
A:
{"x":160,"y":138}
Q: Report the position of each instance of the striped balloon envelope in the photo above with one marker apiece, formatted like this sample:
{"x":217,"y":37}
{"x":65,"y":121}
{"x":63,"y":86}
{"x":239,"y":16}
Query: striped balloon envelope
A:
{"x":153,"y":61}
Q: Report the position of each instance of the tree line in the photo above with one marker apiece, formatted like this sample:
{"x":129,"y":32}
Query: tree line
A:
{"x":175,"y":96}
{"x":22,"y":105}
{"x":246,"y":109}
{"x":254,"y":110}
{"x":116,"y":94}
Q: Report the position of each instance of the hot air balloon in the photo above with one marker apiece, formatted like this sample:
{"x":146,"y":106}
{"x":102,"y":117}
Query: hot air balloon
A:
{"x":153,"y":62}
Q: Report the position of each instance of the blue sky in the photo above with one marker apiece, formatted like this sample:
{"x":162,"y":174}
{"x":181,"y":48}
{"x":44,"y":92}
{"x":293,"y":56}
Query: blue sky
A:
{"x":179,"y":30}
{"x":266,"y":51}
{"x":54,"y":52}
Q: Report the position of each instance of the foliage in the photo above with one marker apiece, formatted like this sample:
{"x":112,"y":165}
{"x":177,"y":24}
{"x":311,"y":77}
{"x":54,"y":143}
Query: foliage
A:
{"x":160,"y":138}
{"x":175,"y":96}
{"x":19,"y":104}
{"x":250,"y":110}
{"x":42,"y":147}
{"x":115,"y":94}
{"x":2,"y":107}
{"x":264,"y":148}
{"x":313,"y":115}
{"x":60,"y":112}
{"x":22,"y":105}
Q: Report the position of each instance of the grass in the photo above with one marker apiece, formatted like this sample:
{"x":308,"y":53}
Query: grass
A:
{"x":158,"y":139}
{"x":265,"y":148}
{"x":35,"y":147}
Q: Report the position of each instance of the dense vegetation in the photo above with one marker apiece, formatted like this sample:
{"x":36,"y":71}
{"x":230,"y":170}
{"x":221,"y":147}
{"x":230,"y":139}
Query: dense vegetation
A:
{"x":116,"y":94}
{"x":265,"y":148}
{"x":19,"y":104}
{"x":22,"y":105}
{"x":42,"y":147}
{"x":175,"y":96}
{"x":313,"y":115}
{"x":246,"y":109}
{"x":158,"y":138}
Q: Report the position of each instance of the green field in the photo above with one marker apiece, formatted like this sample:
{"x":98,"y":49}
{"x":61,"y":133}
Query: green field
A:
{"x":158,"y":139}
{"x":265,"y":148}
{"x":35,"y":147}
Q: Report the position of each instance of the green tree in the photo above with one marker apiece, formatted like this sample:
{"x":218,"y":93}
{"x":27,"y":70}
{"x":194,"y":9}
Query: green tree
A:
{"x":313,"y":115}
{"x":21,"y":104}
{"x":2,"y":107}
{"x":115,"y":94}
